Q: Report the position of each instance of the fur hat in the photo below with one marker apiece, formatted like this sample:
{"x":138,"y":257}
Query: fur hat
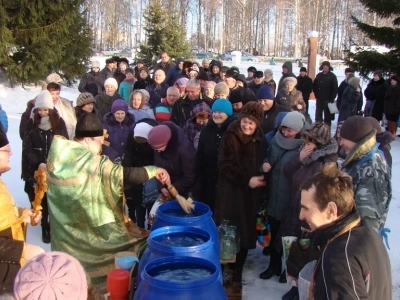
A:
{"x":85,"y":98}
{"x":231,"y":74}
{"x":258,"y":74}
{"x":252,"y":110}
{"x":241,"y":78}
{"x":235,"y":69}
{"x":294,"y":120}
{"x":356,"y":128}
{"x":54,"y":77}
{"x":203,"y":76}
{"x":159,"y":136}
{"x":290,"y":79}
{"x":44,"y":100}
{"x":119,"y":104}
{"x":320,"y":133}
{"x":222,"y":105}
{"x":251,"y":69}
{"x":238,"y":95}
{"x":95,"y":64}
{"x":88,"y":125}
{"x":111,"y":81}
{"x":221,"y":89}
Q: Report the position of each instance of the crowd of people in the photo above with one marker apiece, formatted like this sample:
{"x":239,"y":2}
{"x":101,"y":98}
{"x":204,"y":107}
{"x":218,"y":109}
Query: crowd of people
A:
{"x":239,"y":144}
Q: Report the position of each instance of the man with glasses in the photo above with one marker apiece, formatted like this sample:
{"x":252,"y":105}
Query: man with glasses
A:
{"x":93,"y":81}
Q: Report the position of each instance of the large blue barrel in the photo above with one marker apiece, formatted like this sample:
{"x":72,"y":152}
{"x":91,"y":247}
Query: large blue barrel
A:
{"x":172,"y":214}
{"x":178,"y":241}
{"x":180,"y":277}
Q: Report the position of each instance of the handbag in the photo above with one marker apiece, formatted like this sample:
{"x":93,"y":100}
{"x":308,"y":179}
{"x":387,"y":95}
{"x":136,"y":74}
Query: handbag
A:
{"x":333,"y":107}
{"x":263,"y":228}
{"x":150,"y":192}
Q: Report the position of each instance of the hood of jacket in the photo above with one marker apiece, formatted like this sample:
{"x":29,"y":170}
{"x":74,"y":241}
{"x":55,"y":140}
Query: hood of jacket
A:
{"x":110,"y":119}
{"x":201,"y":107}
{"x":288,"y":64}
{"x":361,"y":149}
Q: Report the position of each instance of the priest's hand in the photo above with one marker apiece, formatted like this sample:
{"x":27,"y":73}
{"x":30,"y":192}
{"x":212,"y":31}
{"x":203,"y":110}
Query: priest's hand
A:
{"x":31,"y":251}
{"x":162,"y":175}
{"x":43,"y":166}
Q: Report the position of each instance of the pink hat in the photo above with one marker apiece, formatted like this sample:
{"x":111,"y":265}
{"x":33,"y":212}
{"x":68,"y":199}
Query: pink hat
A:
{"x":159,"y":137}
{"x":51,"y":275}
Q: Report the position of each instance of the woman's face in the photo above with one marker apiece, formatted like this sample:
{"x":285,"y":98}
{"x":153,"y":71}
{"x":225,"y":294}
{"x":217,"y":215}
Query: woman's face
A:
{"x":43,"y":112}
{"x":122,"y":67}
{"x":219,"y":117}
{"x":88,"y":107}
{"x":215,"y":70}
{"x":376,"y":77}
{"x":289,"y":133}
{"x":136,"y":101}
{"x":248,"y":126}
{"x":119,"y":115}
{"x":289,"y":86}
{"x":393,"y":82}
{"x":267,"y":75}
{"x":143,"y":74}
{"x":110,"y":90}
{"x":209,"y":92}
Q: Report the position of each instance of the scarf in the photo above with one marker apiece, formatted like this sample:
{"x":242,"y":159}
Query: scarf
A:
{"x":330,"y":148}
{"x":45,"y":123}
{"x":287,"y":144}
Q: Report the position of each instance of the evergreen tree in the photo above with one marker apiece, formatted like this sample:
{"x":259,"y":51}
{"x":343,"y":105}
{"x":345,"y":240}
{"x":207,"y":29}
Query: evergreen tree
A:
{"x":164,"y":33}
{"x":368,"y":61}
{"x":47,"y":36}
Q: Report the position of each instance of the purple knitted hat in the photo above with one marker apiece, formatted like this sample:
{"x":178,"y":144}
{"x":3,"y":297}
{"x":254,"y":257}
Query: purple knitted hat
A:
{"x":51,"y":275}
{"x":119,"y":105}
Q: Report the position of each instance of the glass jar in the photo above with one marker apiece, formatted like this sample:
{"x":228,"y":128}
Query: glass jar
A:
{"x":232,"y":231}
{"x":228,"y":247}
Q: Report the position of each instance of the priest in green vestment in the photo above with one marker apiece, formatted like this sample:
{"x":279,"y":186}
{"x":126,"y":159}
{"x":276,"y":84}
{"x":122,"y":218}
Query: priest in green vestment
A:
{"x":86,"y":203}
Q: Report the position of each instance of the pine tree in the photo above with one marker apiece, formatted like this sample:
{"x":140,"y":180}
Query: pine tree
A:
{"x":47,"y":36}
{"x":368,"y":61}
{"x":164,"y":33}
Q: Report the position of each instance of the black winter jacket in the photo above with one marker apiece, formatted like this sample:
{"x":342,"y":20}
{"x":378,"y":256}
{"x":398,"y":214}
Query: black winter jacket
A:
{"x":392,"y":100}
{"x":304,"y":85}
{"x":183,"y":109}
{"x":325,"y":87}
{"x":104,"y":102}
{"x":255,"y":87}
{"x":375,"y":91}
{"x":92,"y":82}
{"x":268,"y":123}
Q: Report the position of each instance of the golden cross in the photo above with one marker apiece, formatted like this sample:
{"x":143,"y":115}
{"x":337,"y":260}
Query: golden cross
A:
{"x":105,"y":135}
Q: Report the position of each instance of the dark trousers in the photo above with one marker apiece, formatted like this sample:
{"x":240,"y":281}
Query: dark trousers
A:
{"x":275,"y":255}
{"x":322,"y":109}
{"x":45,"y":211}
{"x":136,"y":211}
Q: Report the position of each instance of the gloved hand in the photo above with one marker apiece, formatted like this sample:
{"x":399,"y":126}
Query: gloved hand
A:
{"x":384,"y":234}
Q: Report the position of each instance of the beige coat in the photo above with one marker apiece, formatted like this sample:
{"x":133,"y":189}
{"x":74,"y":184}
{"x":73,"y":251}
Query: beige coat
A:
{"x":67,"y":112}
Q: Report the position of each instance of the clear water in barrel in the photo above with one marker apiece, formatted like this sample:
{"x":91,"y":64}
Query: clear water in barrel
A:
{"x":181,"y":214}
{"x":181,"y":273}
{"x":181,"y":239}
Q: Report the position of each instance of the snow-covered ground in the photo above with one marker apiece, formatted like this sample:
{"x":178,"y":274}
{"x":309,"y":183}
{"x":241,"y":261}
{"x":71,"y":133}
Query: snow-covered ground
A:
{"x":14,"y":103}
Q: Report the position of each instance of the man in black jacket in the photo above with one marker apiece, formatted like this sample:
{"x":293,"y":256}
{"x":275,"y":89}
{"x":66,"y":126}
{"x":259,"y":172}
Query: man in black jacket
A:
{"x":257,"y":82}
{"x":271,"y":109}
{"x":304,"y":85}
{"x":325,"y":88}
{"x":354,"y":263}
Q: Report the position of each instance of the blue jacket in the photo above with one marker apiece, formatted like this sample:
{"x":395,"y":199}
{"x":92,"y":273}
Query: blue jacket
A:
{"x":3,"y":119}
{"x":117,"y":134}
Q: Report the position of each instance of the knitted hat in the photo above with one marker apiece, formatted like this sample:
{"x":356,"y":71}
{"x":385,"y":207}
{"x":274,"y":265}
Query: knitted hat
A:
{"x":221,"y":89}
{"x":294,"y":120}
{"x":230,"y":74}
{"x":88,"y":125}
{"x":51,"y":275}
{"x":303,"y":69}
{"x":222,"y":105}
{"x":318,"y":132}
{"x":111,"y":81}
{"x":44,"y":100}
{"x":252,"y":110}
{"x":119,"y":104}
{"x":145,"y":93}
{"x":144,"y":69}
{"x":238,"y":95}
{"x":95,"y":64}
{"x":3,"y":138}
{"x":251,"y":69}
{"x":375,"y":124}
{"x":142,"y":130}
{"x":290,"y":79}
{"x":258,"y":74}
{"x":159,"y":137}
{"x":54,"y":77}
{"x":85,"y":98}
{"x":269,"y":71}
{"x":356,"y":128}
{"x":182,"y":81}
{"x":265,"y":92}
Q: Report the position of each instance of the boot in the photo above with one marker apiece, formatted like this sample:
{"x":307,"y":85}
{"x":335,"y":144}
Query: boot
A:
{"x":237,"y":275}
{"x":266,"y":251}
{"x":274,"y":268}
{"x":45,"y":235}
{"x":282,"y":278}
{"x":233,"y":290}
{"x":293,"y":294}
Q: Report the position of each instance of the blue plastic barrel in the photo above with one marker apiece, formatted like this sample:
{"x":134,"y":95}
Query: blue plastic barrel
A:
{"x":172,"y":214}
{"x":180,"y":277}
{"x":178,"y":241}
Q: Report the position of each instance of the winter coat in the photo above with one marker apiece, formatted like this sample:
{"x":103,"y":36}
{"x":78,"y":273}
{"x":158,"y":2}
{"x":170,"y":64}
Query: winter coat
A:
{"x":35,"y":147}
{"x":79,"y":112}
{"x":117,"y":134}
{"x":375,"y":91}
{"x":119,"y":76}
{"x":240,"y":158}
{"x":164,"y":66}
{"x":92,"y":82}
{"x":107,"y":73}
{"x":104,"y":103}
{"x":172,"y":75}
{"x":216,"y":78}
{"x":157,"y":92}
{"x":268,"y":123}
{"x":280,"y":151}
{"x":3,"y":119}
{"x":126,"y":88}
{"x":353,"y":265}
{"x":304,"y":85}
{"x":384,"y":139}
{"x":371,"y":181}
{"x":392,"y":100}
{"x":351,"y":103}
{"x":300,"y":172}
{"x":26,"y":115}
{"x":255,"y":87}
{"x":207,"y":159}
{"x":163,"y":111}
{"x":325,"y":86}
{"x":191,"y":128}
{"x":138,"y":155}
{"x":142,"y":113}
{"x":290,"y":100}
{"x":66,"y":111}
{"x":142,"y":84}
{"x":343,"y":85}
{"x":272,"y":84}
{"x":179,"y":159}
{"x":289,"y":66}
{"x":183,"y":109}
